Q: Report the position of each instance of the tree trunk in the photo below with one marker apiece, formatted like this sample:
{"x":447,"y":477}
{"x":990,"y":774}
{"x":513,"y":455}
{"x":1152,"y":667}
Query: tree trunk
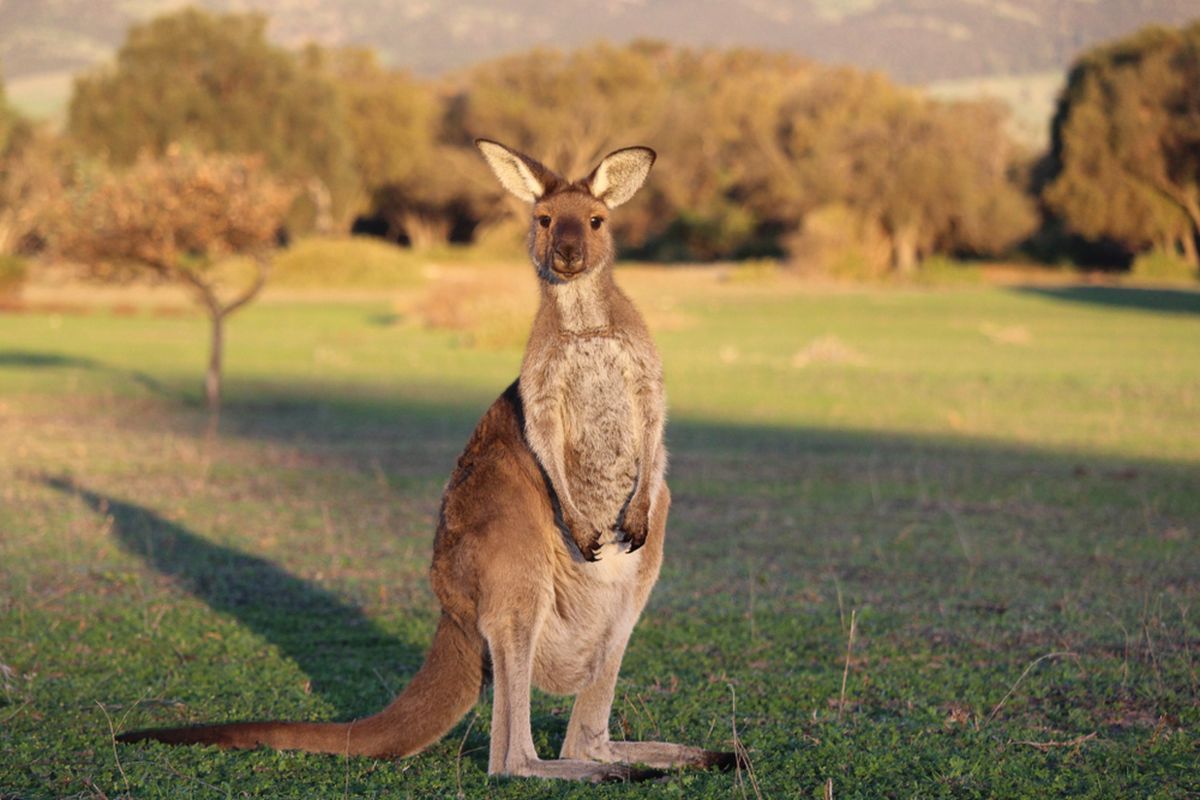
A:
{"x":8,"y":232}
{"x":323,"y":206}
{"x":212,"y":379}
{"x":1188,"y":243}
{"x":904,"y":250}
{"x":425,"y":230}
{"x":216,"y":316}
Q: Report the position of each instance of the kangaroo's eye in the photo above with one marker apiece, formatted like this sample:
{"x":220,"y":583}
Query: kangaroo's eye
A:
{"x":544,"y":221}
{"x":597,"y":222}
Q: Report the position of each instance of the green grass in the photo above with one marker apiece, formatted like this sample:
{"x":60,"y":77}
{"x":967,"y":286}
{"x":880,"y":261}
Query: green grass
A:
{"x":982,"y":477}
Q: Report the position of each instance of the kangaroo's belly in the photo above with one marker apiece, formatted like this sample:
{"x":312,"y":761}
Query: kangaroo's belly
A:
{"x":593,"y":612}
{"x":602,"y":427}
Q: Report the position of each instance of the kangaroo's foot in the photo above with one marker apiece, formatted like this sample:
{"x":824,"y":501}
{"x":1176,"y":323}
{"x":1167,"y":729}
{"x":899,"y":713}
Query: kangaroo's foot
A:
{"x":660,"y":755}
{"x":579,"y":770}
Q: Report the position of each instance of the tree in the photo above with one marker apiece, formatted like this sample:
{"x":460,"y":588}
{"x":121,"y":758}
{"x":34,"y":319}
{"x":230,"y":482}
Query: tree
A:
{"x":175,"y":218}
{"x":32,"y":175}
{"x":214,"y":82}
{"x":568,"y":108}
{"x":411,"y":178}
{"x":937,"y":177}
{"x":793,"y":138}
{"x":15,"y":137}
{"x":732,"y":188}
{"x":1126,"y":143}
{"x":392,"y":119}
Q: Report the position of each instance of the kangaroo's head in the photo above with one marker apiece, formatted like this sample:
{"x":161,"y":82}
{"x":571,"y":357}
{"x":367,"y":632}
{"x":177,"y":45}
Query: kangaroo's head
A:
{"x":569,"y":233}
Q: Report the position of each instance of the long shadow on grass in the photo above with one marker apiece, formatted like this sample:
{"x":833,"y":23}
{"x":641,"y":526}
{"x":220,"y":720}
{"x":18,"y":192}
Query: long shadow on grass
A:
{"x":332,"y":641}
{"x":30,"y":359}
{"x":1171,"y":301}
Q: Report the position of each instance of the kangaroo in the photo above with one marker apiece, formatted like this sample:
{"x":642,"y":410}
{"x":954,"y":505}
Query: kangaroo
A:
{"x":550,"y":535}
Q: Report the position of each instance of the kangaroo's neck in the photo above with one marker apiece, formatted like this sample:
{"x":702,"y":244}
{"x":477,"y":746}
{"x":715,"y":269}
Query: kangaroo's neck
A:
{"x":581,"y":306}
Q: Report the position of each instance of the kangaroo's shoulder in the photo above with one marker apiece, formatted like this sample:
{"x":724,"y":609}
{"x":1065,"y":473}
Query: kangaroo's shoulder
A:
{"x":498,"y":441}
{"x":496,"y":468}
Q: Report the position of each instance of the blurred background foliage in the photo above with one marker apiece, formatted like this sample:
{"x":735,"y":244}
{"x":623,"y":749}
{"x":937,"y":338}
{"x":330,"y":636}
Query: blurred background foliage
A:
{"x":830,"y":170}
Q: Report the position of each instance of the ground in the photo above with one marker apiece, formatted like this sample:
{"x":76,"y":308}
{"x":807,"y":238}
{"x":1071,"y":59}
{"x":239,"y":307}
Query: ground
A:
{"x":924,"y":542}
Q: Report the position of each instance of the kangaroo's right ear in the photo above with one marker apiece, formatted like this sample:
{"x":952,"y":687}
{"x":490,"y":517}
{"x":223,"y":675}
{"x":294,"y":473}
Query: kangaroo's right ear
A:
{"x":520,"y":174}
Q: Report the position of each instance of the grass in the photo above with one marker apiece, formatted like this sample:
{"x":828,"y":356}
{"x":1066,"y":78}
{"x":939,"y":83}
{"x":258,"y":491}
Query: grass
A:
{"x":935,"y":543}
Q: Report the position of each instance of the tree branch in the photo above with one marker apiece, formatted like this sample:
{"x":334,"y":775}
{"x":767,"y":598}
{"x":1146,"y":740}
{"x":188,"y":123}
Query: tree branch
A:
{"x":262,"y":269}
{"x":203,"y":290}
{"x":1172,"y":194}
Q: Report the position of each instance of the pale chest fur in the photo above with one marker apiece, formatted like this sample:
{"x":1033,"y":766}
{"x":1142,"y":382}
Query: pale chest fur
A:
{"x":602,"y":425}
{"x":590,"y":378}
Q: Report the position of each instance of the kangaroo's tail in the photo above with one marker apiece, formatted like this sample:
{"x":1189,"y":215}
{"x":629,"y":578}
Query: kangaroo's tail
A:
{"x":445,"y":688}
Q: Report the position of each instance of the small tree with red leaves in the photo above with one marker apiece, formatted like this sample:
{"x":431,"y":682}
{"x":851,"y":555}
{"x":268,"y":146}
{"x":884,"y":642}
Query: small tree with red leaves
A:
{"x":176,"y":218}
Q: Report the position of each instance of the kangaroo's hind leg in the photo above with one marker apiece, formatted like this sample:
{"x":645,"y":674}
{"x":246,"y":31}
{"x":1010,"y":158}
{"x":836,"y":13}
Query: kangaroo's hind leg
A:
{"x":588,"y":731}
{"x":512,"y":751}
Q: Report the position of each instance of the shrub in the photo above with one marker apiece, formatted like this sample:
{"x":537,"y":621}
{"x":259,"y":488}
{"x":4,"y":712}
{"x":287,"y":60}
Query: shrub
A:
{"x":346,"y":262}
{"x":837,"y":241}
{"x":13,"y":273}
{"x":489,"y":307}
{"x":1160,"y":265}
{"x":944,"y":271}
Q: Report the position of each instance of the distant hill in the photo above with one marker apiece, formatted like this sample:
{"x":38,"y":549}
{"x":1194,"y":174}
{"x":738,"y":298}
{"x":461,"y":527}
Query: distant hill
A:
{"x":43,"y":42}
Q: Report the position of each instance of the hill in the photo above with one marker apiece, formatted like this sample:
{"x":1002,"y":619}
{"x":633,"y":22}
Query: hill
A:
{"x":43,"y":42}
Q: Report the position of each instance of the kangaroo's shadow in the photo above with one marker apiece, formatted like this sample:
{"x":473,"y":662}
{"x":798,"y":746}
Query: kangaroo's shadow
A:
{"x":333,"y":642}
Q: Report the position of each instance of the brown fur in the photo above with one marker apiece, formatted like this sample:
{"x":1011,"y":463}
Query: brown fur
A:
{"x":551,"y":530}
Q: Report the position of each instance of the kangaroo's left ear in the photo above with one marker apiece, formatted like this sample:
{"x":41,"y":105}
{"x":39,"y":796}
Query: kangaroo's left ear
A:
{"x":525,"y":177}
{"x":620,"y":174}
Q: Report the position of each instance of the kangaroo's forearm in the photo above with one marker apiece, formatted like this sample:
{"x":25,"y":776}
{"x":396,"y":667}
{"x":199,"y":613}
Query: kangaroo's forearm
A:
{"x":545,"y":434}
{"x":652,"y":453}
{"x":541,"y":395}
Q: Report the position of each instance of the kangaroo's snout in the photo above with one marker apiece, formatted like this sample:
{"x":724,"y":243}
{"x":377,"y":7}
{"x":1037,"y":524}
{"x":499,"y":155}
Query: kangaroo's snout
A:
{"x":568,"y":261}
{"x":567,"y":248}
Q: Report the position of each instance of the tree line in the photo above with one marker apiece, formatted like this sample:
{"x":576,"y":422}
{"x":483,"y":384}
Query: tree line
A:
{"x":1124,"y":167}
{"x":765,"y":153}
{"x":203,"y":140}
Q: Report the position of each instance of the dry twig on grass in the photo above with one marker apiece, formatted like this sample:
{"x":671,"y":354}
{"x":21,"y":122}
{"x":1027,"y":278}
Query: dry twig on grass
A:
{"x":112,"y":734}
{"x":741,"y":756}
{"x":1044,"y":746}
{"x":458,"y":758}
{"x":1013,"y":688}
{"x":846,"y":669}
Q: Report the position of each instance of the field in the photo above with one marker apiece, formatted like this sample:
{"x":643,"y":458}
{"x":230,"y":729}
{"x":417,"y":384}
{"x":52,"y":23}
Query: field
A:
{"x":924,"y":542}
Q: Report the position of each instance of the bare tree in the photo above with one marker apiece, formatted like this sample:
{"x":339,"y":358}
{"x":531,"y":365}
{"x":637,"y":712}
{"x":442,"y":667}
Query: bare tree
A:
{"x":175,"y":218}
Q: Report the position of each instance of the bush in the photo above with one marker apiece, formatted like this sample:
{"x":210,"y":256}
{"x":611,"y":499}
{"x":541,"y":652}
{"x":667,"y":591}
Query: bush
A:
{"x":944,"y":271}
{"x":347,"y":262}
{"x":13,"y":273}
{"x":490,"y":307}
{"x":839,"y":242}
{"x":1159,"y":265}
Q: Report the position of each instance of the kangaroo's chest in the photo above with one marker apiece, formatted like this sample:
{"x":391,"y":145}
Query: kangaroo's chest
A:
{"x":602,"y":425}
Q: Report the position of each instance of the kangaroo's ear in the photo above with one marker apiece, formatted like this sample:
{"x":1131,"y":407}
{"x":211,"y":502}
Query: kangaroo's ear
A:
{"x":520,"y":174}
{"x":620,"y":174}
